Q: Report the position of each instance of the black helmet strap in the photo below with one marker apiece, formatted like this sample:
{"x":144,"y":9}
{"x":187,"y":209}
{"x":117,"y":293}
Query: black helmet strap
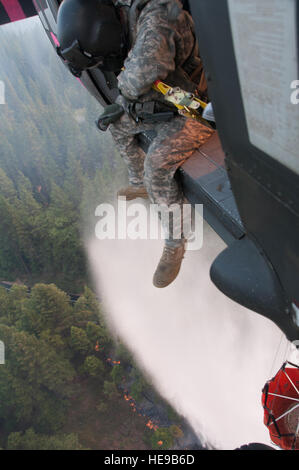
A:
{"x":75,"y":55}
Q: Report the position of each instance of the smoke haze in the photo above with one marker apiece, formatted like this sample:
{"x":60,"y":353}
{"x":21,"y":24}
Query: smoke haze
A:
{"x":206,"y":354}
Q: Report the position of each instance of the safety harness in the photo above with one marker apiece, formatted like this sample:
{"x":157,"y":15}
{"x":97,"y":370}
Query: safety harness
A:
{"x":180,"y":102}
{"x":187,"y":103}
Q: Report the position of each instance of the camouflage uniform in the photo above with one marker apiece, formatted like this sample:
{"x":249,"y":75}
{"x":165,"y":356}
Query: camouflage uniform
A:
{"x":163,"y":47}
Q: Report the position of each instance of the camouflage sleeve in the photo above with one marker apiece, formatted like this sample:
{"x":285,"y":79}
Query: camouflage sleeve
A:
{"x":153,"y":54}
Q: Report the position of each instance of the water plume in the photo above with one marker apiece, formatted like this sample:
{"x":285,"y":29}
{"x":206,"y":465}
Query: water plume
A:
{"x":208,"y":356}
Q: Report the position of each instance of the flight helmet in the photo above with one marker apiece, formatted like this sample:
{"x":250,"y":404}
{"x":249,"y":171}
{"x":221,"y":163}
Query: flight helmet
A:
{"x":90,"y":34}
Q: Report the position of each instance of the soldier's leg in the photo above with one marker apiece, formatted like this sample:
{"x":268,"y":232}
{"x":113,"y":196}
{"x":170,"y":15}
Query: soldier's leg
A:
{"x":175,"y":143}
{"x":130,"y":151}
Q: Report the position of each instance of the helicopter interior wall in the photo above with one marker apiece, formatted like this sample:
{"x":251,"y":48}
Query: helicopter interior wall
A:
{"x":267,"y":192}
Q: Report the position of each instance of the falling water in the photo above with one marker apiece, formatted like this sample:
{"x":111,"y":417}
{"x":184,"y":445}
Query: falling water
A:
{"x":205,"y":354}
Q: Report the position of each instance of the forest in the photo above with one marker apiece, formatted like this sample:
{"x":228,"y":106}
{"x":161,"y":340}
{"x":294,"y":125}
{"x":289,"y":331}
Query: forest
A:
{"x":55,"y":166}
{"x":66,"y":382}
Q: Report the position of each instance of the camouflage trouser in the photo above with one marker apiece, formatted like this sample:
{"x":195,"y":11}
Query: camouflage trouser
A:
{"x":175,"y":142}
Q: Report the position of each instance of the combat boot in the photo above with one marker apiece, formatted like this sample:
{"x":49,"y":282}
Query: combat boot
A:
{"x":169,"y":265}
{"x":132,"y":192}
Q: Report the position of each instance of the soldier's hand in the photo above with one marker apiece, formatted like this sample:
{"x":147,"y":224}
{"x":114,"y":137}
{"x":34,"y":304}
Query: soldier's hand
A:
{"x":111,"y":114}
